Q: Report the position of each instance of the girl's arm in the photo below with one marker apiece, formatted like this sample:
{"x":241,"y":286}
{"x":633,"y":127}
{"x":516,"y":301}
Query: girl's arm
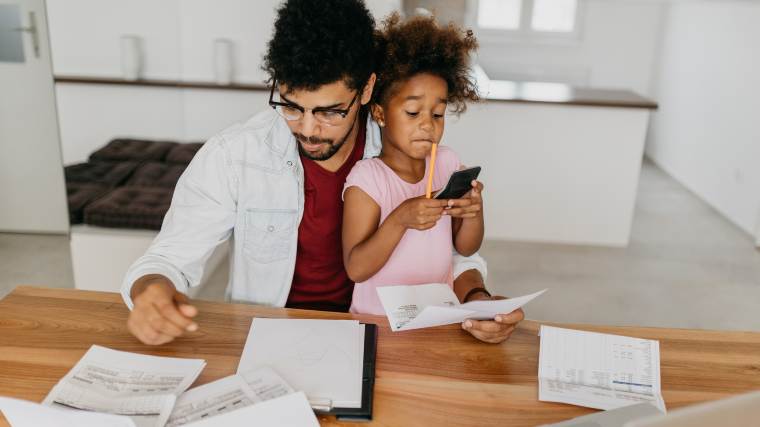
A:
{"x":367,"y":244}
{"x":468,"y":230}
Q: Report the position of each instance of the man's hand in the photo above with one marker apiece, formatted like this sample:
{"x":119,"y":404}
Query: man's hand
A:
{"x":160,"y":313}
{"x":493,"y":331}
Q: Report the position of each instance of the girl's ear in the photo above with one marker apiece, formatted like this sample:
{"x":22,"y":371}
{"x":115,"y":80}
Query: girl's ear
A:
{"x":378,"y":114}
{"x":367,"y":91}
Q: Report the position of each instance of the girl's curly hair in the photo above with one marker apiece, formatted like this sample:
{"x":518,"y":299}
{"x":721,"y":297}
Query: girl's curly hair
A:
{"x":420,"y":45}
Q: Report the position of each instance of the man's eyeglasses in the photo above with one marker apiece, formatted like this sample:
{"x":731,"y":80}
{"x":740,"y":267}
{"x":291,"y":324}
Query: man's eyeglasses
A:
{"x":326,"y":116}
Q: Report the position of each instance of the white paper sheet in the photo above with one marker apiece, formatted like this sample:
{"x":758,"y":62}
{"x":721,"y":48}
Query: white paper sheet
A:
{"x":21,"y":413}
{"x":266,"y":383}
{"x":116,"y":382}
{"x":596,"y":370}
{"x":323,"y":358}
{"x":435,"y":304}
{"x":292,"y":410}
{"x":212,"y":399}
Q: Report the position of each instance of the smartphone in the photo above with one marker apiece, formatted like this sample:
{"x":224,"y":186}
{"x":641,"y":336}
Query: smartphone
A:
{"x":459,"y":183}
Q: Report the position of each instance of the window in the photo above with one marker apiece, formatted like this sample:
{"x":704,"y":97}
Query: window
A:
{"x":553,"y":15}
{"x":527,"y":19}
{"x":499,"y":14}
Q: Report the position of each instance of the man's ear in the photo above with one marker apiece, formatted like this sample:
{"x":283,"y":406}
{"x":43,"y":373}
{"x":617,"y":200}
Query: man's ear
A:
{"x":367,"y":91}
{"x":378,"y":114}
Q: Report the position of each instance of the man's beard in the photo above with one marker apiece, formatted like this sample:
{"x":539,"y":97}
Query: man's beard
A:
{"x":319,"y":156}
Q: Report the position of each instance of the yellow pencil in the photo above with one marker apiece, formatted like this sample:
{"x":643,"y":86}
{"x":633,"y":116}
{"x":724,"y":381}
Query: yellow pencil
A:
{"x":432,"y":171}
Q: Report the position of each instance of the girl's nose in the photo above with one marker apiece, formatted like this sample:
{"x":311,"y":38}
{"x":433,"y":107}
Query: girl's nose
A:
{"x":427,"y":123}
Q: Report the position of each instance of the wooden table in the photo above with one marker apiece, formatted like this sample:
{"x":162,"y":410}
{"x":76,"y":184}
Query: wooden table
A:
{"x":438,"y":376}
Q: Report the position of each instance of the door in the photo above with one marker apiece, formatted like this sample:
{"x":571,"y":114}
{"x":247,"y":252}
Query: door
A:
{"x":32,"y":187}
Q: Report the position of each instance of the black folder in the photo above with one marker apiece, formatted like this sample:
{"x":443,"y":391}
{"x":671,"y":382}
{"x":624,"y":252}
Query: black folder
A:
{"x":364,"y":413}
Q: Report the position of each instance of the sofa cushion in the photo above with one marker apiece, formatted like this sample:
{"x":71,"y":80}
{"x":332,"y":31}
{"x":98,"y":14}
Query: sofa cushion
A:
{"x":130,"y":207}
{"x":183,"y":153}
{"x":155,"y":174}
{"x":122,"y":149}
{"x":79,"y":195}
{"x":110,"y":174}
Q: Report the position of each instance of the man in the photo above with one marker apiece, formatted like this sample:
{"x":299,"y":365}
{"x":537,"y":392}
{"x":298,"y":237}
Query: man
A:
{"x":274,"y":183}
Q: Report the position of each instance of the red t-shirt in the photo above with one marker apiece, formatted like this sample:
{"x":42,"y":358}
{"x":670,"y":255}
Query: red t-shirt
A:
{"x":320,"y":281}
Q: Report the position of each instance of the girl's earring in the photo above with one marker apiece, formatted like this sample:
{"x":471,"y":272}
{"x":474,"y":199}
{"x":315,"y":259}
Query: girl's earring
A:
{"x":382,"y":124}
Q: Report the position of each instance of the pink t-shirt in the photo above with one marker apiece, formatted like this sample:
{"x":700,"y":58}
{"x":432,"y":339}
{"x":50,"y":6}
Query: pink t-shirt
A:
{"x":421,"y":256}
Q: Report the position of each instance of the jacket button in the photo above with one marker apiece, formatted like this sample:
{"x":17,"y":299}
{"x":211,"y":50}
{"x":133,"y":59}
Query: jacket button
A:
{"x":290,"y":163}
{"x":270,"y":228}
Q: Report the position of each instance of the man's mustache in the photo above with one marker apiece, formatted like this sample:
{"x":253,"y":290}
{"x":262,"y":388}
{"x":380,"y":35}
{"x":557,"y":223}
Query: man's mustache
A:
{"x":312,"y":139}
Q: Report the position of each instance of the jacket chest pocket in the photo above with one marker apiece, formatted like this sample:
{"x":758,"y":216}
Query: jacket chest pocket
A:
{"x":268,"y":234}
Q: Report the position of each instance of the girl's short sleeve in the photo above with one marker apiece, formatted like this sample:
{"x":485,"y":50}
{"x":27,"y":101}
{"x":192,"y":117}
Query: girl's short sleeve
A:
{"x":366,"y":176}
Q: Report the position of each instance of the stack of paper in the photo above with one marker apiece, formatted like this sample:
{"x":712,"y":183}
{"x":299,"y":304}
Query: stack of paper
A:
{"x":115,"y":382}
{"x":20,"y":413}
{"x":266,"y":383}
{"x":226,"y":395}
{"x":109,"y":387}
{"x":292,"y":410}
{"x":424,"y":306}
{"x":322,"y":358}
{"x":596,"y":370}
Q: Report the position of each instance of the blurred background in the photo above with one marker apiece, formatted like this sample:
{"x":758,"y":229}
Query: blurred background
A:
{"x":618,"y":141}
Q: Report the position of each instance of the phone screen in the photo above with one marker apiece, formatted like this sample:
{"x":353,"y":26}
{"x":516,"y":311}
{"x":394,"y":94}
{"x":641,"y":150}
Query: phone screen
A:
{"x":459,"y":183}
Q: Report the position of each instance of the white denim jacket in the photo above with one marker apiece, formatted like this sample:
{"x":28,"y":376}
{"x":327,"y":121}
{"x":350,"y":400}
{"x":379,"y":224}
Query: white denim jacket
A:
{"x":245,"y":184}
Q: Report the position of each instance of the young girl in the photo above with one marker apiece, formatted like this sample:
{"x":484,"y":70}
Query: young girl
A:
{"x":393,"y":234}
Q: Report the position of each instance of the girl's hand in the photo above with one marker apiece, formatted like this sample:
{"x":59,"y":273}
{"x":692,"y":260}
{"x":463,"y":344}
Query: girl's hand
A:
{"x":471,"y":204}
{"x":419,"y":213}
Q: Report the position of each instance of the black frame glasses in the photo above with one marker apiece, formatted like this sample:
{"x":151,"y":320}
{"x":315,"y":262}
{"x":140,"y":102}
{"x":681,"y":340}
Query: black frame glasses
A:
{"x":322,"y":118}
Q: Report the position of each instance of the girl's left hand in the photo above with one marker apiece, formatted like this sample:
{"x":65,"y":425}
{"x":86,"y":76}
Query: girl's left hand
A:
{"x":470,"y":205}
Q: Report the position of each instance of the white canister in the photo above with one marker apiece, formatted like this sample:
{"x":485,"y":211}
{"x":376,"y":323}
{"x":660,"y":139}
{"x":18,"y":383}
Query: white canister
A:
{"x":223,"y":68}
{"x":131,"y":57}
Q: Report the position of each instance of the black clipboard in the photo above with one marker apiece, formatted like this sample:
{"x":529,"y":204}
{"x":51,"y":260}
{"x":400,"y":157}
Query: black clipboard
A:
{"x":364,"y":413}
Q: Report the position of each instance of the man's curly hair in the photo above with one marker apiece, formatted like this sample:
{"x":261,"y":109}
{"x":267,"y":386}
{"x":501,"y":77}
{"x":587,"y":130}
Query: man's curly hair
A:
{"x":420,"y":45}
{"x":321,"y":42}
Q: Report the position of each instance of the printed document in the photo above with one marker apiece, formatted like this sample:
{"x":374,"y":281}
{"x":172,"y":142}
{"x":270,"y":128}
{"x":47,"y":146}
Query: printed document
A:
{"x":292,"y":410}
{"x":21,"y":413}
{"x":227,"y":394}
{"x":214,"y":398}
{"x":266,"y":383}
{"x":435,"y":304}
{"x":322,"y":358}
{"x":116,"y":382}
{"x":596,"y":370}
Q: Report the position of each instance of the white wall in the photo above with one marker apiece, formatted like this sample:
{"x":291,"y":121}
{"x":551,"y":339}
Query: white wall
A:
{"x":616,"y":48}
{"x":571,"y":182}
{"x":91,"y":115}
{"x":706,"y":132}
{"x":177,"y":41}
{"x":177,"y":35}
{"x":85,"y":34}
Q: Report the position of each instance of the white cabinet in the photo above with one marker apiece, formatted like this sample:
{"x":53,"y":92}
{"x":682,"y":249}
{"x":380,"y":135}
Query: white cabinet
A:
{"x":85,"y":36}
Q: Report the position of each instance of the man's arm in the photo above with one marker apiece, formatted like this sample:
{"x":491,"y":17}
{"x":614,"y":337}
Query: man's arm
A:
{"x":201,"y":216}
{"x":468,"y":281}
